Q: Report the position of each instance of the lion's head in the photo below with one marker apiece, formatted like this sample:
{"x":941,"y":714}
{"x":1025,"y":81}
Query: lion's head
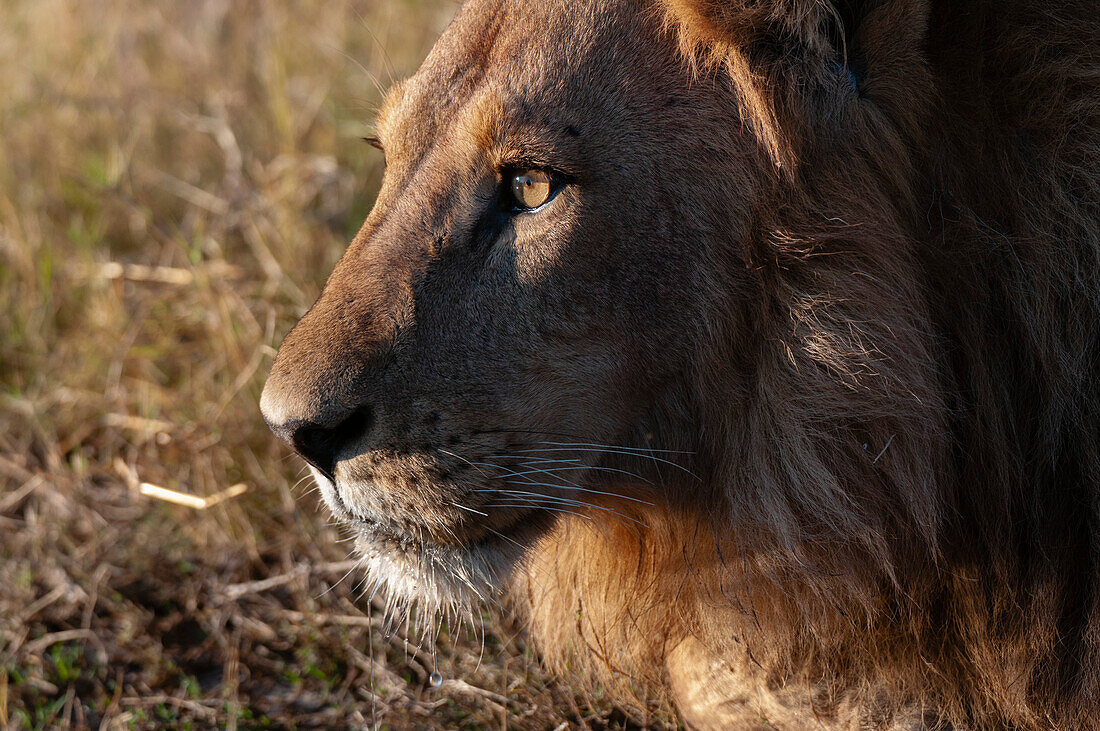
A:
{"x":644,"y":325}
{"x":534,"y":279}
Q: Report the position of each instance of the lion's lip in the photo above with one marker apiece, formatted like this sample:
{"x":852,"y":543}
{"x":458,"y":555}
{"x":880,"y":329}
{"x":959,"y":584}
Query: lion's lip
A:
{"x":520,"y":532}
{"x":380,"y":532}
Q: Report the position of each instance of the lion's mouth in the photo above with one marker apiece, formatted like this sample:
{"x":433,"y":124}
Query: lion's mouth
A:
{"x":519,"y":533}
{"x":448,"y":568}
{"x":444,"y":576}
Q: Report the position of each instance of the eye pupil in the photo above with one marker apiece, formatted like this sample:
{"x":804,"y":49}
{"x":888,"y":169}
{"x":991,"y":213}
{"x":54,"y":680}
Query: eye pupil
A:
{"x":531,"y":188}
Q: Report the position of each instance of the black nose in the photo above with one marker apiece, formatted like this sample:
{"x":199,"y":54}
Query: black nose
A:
{"x":320,"y":445}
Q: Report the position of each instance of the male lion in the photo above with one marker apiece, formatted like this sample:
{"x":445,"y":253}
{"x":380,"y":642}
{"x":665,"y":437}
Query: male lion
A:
{"x":751,"y":345}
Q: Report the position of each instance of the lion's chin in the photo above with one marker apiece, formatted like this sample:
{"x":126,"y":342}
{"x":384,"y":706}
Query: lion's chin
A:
{"x":431,"y":576}
{"x":435,"y":577}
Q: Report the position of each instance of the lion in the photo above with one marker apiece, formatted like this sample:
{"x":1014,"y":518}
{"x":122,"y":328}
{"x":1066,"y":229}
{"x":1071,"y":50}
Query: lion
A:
{"x":749,"y":347}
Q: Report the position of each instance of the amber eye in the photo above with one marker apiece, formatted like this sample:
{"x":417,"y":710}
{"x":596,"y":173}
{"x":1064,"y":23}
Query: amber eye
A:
{"x":531,"y":188}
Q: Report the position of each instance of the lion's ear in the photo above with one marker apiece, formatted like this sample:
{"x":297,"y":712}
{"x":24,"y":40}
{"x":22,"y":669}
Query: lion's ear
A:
{"x":777,"y":49}
{"x":816,"y":27}
{"x":710,"y":24}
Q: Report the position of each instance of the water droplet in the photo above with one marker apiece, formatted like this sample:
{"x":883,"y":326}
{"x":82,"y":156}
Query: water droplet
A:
{"x":435,"y":679}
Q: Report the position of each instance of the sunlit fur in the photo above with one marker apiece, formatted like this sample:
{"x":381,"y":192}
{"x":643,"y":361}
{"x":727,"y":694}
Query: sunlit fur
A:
{"x":864,"y":324}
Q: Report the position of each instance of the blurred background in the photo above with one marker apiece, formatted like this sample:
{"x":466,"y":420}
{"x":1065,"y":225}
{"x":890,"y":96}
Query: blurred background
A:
{"x":176,"y":181}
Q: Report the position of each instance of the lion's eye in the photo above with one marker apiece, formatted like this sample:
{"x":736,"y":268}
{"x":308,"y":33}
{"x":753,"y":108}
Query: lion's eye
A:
{"x":531,"y":188}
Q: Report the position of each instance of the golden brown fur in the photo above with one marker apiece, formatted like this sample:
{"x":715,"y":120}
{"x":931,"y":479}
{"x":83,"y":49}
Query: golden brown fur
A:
{"x":789,"y":403}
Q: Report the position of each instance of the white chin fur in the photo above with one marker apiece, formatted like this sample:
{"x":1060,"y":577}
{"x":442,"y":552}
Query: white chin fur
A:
{"x":430,"y":578}
{"x":448,"y":580}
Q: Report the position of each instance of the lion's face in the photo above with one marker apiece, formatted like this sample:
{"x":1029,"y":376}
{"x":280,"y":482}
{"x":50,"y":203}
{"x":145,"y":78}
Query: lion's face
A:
{"x":485,"y":356}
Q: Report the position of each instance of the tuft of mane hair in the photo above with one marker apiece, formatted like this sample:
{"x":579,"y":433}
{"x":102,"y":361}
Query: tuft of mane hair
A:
{"x":899,"y":509}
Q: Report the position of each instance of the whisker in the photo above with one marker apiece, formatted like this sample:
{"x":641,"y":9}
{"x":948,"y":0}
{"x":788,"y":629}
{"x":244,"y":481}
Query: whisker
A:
{"x":534,"y":506}
{"x":611,"y":451}
{"x":570,"y":484}
{"x":458,"y":456}
{"x":511,"y":540}
{"x":563,"y":435}
{"x":463,"y":507}
{"x":523,"y":494}
{"x":338,"y":582}
{"x":616,"y":447}
{"x":548,"y":470}
{"x":533,"y":460}
{"x":449,"y":532}
{"x":590,"y":491}
{"x":512,"y":472}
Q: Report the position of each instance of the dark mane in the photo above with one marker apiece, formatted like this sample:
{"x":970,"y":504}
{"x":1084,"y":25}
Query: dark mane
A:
{"x":912,"y":509}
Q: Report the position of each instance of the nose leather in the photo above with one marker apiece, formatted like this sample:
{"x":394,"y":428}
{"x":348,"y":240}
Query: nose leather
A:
{"x":319,"y":444}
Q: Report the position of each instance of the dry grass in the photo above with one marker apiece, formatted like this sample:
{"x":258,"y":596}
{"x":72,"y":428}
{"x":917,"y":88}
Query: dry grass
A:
{"x":176,"y":179}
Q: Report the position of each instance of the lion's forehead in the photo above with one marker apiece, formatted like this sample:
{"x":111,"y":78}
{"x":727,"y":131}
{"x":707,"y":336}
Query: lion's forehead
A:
{"x":522,"y":61}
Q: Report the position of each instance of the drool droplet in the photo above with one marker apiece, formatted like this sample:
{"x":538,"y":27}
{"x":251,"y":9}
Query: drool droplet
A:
{"x":435,"y":679}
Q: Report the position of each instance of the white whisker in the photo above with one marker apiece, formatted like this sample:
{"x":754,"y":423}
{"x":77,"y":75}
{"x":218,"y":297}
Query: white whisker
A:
{"x":611,"y":451}
{"x":615,"y":447}
{"x":534,"y":506}
{"x":522,"y":494}
{"x":463,"y":507}
{"x":547,"y":470}
{"x":589,"y":491}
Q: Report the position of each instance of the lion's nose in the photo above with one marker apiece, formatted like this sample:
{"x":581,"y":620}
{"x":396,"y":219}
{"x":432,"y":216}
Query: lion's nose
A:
{"x":323,"y":396}
{"x":317,"y":423}
{"x":319,"y":444}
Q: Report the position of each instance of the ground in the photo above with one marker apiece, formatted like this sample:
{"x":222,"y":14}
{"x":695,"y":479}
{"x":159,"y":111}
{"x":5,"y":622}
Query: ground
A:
{"x":176,"y":180}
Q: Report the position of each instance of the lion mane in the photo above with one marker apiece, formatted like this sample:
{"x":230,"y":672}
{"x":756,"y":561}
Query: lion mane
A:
{"x":909,"y":532}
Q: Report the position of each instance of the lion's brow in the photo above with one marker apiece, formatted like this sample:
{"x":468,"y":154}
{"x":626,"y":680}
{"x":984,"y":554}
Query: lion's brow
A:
{"x":392,"y":100}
